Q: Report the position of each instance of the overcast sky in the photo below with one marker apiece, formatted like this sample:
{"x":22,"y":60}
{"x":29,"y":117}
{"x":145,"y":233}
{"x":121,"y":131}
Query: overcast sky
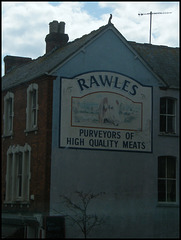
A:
{"x":26,"y":24}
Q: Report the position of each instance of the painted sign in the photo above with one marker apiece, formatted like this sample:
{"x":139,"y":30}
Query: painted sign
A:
{"x":105,"y":110}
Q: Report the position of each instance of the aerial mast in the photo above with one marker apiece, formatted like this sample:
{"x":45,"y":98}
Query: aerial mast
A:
{"x":150,"y":13}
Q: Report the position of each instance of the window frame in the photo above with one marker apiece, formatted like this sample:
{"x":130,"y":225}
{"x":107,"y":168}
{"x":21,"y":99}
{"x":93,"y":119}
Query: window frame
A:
{"x":13,"y":176}
{"x":32,"y":108}
{"x":8,"y":114}
{"x":168,"y":115}
{"x":19,"y":174}
{"x":167,"y":179}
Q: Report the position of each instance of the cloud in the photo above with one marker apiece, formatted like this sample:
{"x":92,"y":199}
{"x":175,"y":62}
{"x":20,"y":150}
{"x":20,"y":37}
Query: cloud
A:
{"x":137,"y":28}
{"x":26,"y":24}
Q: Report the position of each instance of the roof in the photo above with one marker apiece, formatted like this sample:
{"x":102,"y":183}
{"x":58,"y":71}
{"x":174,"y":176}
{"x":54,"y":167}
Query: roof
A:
{"x":162,"y":60}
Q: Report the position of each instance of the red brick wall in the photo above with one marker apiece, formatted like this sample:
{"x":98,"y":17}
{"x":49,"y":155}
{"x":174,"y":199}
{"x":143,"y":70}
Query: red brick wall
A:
{"x":39,"y":142}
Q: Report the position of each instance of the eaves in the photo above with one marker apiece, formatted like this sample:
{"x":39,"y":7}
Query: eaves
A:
{"x":14,"y":84}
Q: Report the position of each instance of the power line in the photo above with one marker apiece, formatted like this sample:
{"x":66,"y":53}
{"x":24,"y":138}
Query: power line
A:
{"x":151,"y":13}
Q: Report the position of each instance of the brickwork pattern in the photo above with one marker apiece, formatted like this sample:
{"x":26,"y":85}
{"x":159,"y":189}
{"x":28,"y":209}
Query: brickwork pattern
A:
{"x":39,"y":141}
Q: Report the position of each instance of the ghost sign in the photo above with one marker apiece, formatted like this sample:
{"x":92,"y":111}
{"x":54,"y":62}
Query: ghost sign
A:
{"x":107,"y":111}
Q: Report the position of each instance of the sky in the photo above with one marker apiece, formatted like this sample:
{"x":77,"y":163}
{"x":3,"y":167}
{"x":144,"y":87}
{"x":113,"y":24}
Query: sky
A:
{"x":25,"y":24}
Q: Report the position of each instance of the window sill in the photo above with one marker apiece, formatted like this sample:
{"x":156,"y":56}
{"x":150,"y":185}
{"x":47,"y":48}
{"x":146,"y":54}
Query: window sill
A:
{"x":8,"y":135}
{"x":15,"y":203}
{"x":168,"y":134}
{"x":168,"y":204}
{"x":35,"y":130}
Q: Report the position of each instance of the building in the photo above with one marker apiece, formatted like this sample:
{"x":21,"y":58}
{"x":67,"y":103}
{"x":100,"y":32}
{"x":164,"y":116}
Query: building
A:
{"x":99,"y":114}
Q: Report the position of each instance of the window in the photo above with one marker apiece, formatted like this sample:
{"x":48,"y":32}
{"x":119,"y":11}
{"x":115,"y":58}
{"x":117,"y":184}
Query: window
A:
{"x":167,"y":179}
{"x":18,"y":173}
{"x":19,"y":163}
{"x":8,"y":114}
{"x":167,"y":115}
{"x":32,"y":107}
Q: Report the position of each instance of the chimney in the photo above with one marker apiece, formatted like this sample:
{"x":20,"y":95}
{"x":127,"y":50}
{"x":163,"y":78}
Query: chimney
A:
{"x":56,"y":37}
{"x":13,"y":61}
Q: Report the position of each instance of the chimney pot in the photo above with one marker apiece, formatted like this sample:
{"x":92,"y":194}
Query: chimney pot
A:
{"x":61,"y":27}
{"x":53,"y":26}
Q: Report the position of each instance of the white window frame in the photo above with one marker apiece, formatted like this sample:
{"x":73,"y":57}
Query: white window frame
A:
{"x":32,"y":108}
{"x":167,"y":115}
{"x":12,"y":174}
{"x":166,"y":179}
{"x":8,"y":113}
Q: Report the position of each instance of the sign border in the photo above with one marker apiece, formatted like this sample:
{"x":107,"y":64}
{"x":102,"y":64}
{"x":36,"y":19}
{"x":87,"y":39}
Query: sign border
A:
{"x":100,"y":149}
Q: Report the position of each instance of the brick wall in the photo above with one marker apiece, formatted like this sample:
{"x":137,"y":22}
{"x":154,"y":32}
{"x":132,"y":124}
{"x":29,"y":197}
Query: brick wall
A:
{"x":39,"y":141}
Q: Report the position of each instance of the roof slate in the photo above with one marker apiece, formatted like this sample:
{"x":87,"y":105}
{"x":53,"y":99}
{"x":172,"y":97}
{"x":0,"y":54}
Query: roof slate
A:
{"x":164,"y":61}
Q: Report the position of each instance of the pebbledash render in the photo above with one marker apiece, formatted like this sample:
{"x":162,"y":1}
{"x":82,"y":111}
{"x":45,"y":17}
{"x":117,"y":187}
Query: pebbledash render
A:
{"x":98,"y":116}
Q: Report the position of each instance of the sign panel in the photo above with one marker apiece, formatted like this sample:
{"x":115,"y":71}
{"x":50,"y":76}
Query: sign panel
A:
{"x":105,"y":110}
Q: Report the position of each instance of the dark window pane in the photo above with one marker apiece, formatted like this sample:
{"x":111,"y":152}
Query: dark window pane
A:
{"x":34,"y":119}
{"x":162,"y":123}
{"x":19,"y":186}
{"x":19,"y":174}
{"x":171,"y":190}
{"x":163,"y":105}
{"x":10,"y":113}
{"x":170,"y":106}
{"x":10,"y":126}
{"x":20,"y":165}
{"x":171,"y":167}
{"x":161,"y":190}
{"x":34,"y":99}
{"x":10,"y":106}
{"x":170,"y":124}
{"x":161,"y":167}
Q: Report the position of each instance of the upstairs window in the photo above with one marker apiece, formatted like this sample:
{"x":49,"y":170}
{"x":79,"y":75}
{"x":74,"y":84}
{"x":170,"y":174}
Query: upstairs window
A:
{"x":32,"y":107}
{"x":167,"y":179}
{"x":167,"y":115}
{"x":8,"y":114}
{"x":18,"y":174}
